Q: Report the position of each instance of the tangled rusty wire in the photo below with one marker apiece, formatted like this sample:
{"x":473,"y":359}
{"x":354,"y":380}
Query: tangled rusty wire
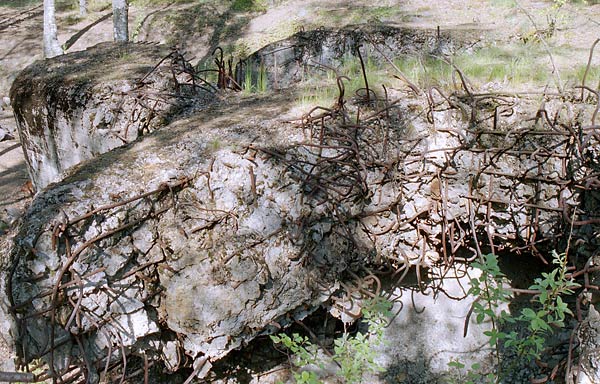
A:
{"x":68,"y":292}
{"x":70,"y":286}
{"x":551,"y":192}
{"x":342,"y":148}
{"x":153,"y":102}
{"x":224,"y":70}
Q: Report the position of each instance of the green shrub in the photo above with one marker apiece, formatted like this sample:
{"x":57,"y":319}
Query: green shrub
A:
{"x":549,"y":311}
{"x":249,"y":6}
{"x":354,"y":355}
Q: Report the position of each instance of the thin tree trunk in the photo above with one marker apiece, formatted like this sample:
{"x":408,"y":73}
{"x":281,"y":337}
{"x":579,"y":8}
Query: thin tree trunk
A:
{"x":120,"y":23}
{"x":83,"y":7}
{"x":51,"y":46}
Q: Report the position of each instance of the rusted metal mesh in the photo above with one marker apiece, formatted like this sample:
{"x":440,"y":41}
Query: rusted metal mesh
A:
{"x":170,"y":86}
{"x":468,"y":174}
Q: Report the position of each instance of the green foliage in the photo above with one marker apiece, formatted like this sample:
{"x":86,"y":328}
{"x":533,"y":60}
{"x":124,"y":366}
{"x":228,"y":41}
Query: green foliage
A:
{"x":488,"y":288}
{"x":262,"y":78}
{"x":515,"y":65}
{"x":355,"y":355}
{"x":548,"y":312}
{"x":249,"y":6}
{"x":551,"y":310}
{"x":247,"y":85}
{"x":576,"y":75}
{"x":305,"y":353}
{"x":323,"y":90}
{"x":472,"y":376}
{"x":490,"y":294}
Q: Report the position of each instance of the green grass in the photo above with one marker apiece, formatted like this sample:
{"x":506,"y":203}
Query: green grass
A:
{"x":321,"y":89}
{"x":249,"y":6}
{"x":383,"y":13}
{"x":314,"y":94}
{"x":425,"y":71}
{"x":376,"y":75}
{"x":255,"y":82}
{"x":576,"y":76}
{"x":247,"y":85}
{"x":516,"y":66}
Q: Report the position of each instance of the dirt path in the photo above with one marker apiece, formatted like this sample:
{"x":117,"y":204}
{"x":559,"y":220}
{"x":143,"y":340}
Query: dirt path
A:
{"x":13,"y":177}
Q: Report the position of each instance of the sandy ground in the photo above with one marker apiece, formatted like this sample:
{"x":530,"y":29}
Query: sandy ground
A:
{"x":13,"y":180}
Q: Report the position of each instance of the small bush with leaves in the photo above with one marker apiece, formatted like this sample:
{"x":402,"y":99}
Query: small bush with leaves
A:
{"x":490,"y":295}
{"x":551,"y":310}
{"x":548,"y":311}
{"x":354,"y":355}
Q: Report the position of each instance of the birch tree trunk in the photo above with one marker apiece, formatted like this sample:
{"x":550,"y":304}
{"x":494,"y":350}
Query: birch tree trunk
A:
{"x":120,"y":24}
{"x":82,"y":7}
{"x":51,"y":46}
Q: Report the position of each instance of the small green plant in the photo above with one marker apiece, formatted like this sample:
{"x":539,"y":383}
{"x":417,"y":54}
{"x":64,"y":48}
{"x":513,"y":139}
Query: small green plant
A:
{"x":549,"y":311}
{"x":555,"y":17}
{"x":249,"y":6}
{"x":305,"y":354}
{"x":472,"y":376}
{"x":261,"y":85}
{"x":354,"y":355}
{"x":248,"y":87}
{"x":490,"y":294}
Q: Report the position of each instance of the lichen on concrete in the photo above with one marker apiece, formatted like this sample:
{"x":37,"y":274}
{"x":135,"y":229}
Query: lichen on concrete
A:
{"x":75,"y":107}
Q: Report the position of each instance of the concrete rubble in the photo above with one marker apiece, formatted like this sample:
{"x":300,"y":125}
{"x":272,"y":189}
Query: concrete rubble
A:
{"x":232,"y":222}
